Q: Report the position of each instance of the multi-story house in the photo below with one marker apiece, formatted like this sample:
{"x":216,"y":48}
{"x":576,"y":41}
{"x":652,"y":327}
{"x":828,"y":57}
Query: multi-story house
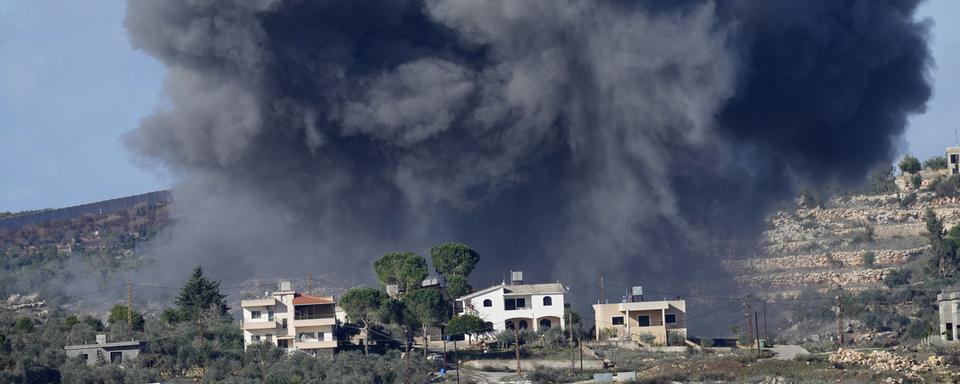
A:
{"x":949,"y":305}
{"x":291,"y":321}
{"x":631,"y":319}
{"x":525,"y":306}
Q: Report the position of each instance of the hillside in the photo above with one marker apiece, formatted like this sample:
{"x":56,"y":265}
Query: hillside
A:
{"x":83,"y":249}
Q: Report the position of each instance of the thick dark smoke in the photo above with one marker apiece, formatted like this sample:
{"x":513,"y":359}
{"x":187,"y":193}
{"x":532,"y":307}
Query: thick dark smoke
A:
{"x":566,"y":138}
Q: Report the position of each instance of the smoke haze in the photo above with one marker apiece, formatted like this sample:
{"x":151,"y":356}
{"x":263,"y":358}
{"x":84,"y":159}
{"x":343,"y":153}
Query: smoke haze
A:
{"x":569,"y":139}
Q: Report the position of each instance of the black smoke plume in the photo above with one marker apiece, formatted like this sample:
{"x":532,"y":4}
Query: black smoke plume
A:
{"x":569,"y":139}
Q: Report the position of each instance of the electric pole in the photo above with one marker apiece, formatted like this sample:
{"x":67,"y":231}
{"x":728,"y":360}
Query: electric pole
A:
{"x":309,"y":284}
{"x":765,"y":334}
{"x":748,"y":313}
{"x":756,"y":324}
{"x":573,"y":353}
{"x":603,"y":293}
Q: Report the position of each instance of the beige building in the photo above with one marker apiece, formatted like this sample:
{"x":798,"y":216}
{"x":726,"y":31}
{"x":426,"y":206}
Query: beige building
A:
{"x":630,"y":320}
{"x":291,"y":321}
{"x":953,"y":160}
{"x":949,"y":305}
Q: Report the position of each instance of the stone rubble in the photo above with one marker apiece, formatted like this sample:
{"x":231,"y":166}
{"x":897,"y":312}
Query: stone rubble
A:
{"x":881,"y":360}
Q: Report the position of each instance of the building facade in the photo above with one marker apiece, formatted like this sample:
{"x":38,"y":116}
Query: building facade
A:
{"x":104,"y":352}
{"x":949,"y":305}
{"x":525,"y":306}
{"x":291,"y":321}
{"x":953,"y":160}
{"x":632,"y":320}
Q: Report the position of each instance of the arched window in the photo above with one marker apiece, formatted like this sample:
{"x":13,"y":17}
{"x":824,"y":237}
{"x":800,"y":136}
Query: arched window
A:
{"x":487,"y":303}
{"x":509,"y":324}
{"x":488,"y":326}
{"x":545,"y":323}
{"x":523,"y":324}
{"x":547,"y":301}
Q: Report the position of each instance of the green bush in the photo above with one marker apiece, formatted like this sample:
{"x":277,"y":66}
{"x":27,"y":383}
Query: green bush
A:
{"x":916,"y":181}
{"x":936,"y":162}
{"x":909,"y":164}
{"x":897,"y":278}
{"x":869,"y":259}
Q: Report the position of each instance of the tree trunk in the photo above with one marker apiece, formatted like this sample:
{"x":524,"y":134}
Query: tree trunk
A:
{"x":425,"y":344}
{"x":366,"y":338}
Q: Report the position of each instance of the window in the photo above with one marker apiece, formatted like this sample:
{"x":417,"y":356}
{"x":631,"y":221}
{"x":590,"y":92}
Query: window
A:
{"x":617,"y":320}
{"x":254,"y":314}
{"x":283,"y":343}
{"x":545,"y":323}
{"x":284,"y":321}
{"x":488,"y":303}
{"x":307,"y":336}
{"x":948,"y":335}
{"x":488,"y":325}
{"x":255,"y":338}
{"x":643,"y":320}
{"x":268,"y":337}
{"x":547,"y":301}
{"x":523,"y":324}
{"x":510,"y":304}
{"x":307,"y":312}
{"x":116,"y":357}
{"x":670,"y":318}
{"x":509,"y":324}
{"x":270,"y":315}
{"x":83,"y":356}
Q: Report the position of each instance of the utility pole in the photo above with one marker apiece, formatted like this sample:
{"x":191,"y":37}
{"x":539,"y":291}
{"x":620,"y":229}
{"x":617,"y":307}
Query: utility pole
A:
{"x":603,"y":293}
{"x":756,"y":324}
{"x":749,"y":305}
{"x":573,"y":353}
{"x":309,"y":284}
{"x":129,"y":303}
{"x":580,"y":343}
{"x":516,"y":348}
{"x":840,"y":316}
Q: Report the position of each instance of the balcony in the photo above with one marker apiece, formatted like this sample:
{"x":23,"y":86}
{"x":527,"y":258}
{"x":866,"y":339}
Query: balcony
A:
{"x":323,"y":321}
{"x":316,"y":344}
{"x":257,"y":303}
{"x":259,"y":325}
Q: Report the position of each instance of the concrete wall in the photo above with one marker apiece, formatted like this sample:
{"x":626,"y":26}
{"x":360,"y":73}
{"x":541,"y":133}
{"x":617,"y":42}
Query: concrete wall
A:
{"x":949,"y":309}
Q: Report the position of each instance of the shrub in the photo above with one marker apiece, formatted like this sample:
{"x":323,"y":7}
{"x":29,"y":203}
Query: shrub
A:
{"x":23,"y":324}
{"x":909,"y":164}
{"x":869,"y":259}
{"x":916,"y":181}
{"x":897,"y":278}
{"x":676,"y":338}
{"x":647,"y":338}
{"x":907,"y":200}
{"x":936,"y":162}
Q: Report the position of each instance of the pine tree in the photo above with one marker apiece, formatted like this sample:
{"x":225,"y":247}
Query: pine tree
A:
{"x":200,"y":296}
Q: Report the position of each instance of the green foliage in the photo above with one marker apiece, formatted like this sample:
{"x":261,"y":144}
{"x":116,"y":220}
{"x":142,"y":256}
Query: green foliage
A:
{"x":201,"y":297}
{"x":944,"y":260}
{"x":907,"y":200}
{"x":936,"y":162}
{"x":364,"y":306}
{"x":425,"y":305}
{"x":454,"y":259}
{"x":457,"y":286}
{"x":869,"y":259}
{"x":909,"y":164}
{"x":465,"y":324}
{"x":916,"y":181}
{"x":946,"y":187}
{"x":676,"y":338}
{"x":405,"y":269}
{"x":118,"y":314}
{"x":882,"y":181}
{"x":24,"y":324}
{"x":647,"y":338}
{"x":897,"y":278}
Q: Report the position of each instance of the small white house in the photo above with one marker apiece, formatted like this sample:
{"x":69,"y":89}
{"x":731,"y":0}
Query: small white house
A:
{"x":525,"y":306}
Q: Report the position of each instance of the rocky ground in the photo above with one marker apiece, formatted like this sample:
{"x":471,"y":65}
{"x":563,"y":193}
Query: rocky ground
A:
{"x":825,"y":247}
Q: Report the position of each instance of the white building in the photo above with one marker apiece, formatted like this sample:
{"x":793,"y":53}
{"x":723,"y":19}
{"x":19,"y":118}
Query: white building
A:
{"x":949,"y":305}
{"x":525,"y":306}
{"x":291,"y":321}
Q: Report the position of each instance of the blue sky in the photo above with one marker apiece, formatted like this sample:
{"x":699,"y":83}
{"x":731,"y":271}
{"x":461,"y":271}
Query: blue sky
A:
{"x":71,"y":85}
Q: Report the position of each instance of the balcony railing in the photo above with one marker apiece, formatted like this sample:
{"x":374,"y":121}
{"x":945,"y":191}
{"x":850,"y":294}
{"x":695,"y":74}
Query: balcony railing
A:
{"x":316,"y":344}
{"x":256,"y":325}
{"x":315,"y":322}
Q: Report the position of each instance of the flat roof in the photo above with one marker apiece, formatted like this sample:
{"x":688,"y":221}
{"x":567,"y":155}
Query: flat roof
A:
{"x":520,"y":289}
{"x":105,"y":345}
